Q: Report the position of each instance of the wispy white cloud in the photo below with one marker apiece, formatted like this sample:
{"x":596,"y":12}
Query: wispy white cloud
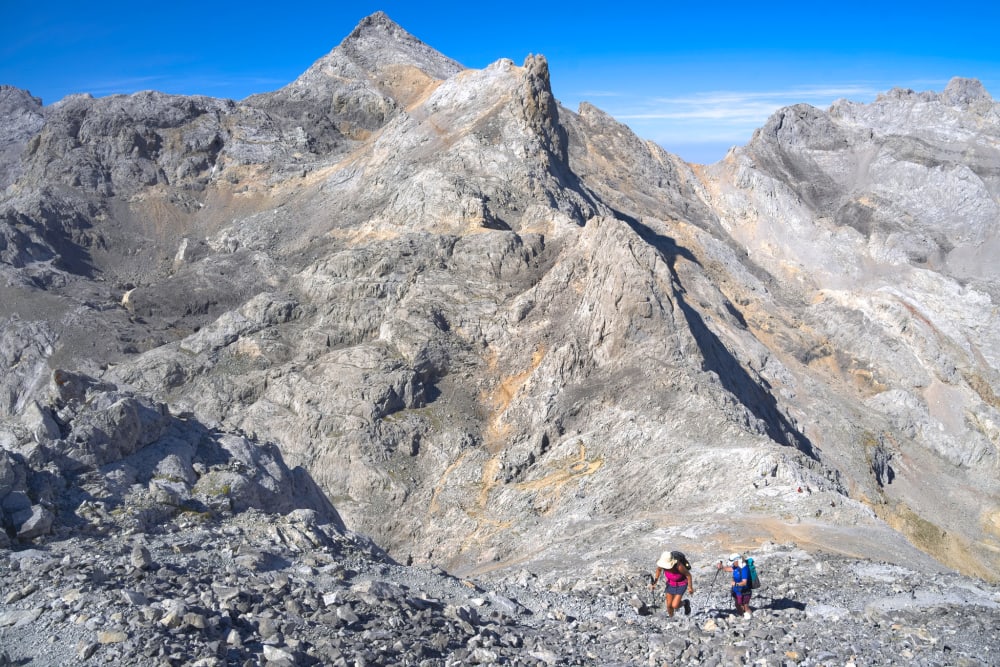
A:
{"x":122,"y":85}
{"x":721,"y":115}
{"x":798,"y":92}
{"x":739,"y":104}
{"x":732,"y":111}
{"x":590,"y":94}
{"x":703,"y":124}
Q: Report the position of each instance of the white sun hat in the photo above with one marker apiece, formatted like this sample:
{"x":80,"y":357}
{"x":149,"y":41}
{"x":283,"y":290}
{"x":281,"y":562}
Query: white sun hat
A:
{"x":666,"y":560}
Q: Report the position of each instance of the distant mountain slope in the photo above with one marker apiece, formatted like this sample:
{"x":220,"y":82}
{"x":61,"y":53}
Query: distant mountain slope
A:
{"x":484,"y":322}
{"x":882,"y":220}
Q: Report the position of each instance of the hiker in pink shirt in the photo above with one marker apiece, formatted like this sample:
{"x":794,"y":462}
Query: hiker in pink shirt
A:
{"x":677,"y":575}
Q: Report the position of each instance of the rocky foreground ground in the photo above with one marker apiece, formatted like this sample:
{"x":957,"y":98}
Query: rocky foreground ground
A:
{"x":261,"y":590}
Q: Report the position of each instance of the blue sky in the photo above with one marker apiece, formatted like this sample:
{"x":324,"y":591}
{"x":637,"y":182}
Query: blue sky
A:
{"x":696,"y":78}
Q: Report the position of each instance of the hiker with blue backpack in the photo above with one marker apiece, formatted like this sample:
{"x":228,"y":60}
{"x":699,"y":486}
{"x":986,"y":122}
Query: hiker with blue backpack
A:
{"x":676,"y":571}
{"x":743,"y":582}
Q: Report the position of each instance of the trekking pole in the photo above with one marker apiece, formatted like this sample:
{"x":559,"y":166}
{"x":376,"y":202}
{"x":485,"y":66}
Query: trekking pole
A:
{"x":717,"y":571}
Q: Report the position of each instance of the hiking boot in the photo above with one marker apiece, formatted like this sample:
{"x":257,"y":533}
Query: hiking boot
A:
{"x":687,"y":607}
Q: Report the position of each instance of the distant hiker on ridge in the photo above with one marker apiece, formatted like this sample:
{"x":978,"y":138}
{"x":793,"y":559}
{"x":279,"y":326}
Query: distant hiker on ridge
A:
{"x":676,"y":572}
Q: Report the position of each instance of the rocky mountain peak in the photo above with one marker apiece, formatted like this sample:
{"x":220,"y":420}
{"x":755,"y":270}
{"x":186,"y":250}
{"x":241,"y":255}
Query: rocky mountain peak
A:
{"x":23,"y":117}
{"x":377,"y":38}
{"x":12,"y":98}
{"x":966,"y":92}
{"x":381,"y":50}
{"x":345,"y":96}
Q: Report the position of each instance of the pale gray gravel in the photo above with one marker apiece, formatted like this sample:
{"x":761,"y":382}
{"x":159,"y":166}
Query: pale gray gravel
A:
{"x":271,"y":590}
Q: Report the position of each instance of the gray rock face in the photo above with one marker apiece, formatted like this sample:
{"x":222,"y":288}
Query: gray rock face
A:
{"x":112,"y":461}
{"x":23,"y":118}
{"x":492,"y":331}
{"x":883,"y":218}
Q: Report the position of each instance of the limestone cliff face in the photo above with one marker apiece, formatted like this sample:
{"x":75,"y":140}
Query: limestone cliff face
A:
{"x":483,"y":322}
{"x":880,"y":220}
